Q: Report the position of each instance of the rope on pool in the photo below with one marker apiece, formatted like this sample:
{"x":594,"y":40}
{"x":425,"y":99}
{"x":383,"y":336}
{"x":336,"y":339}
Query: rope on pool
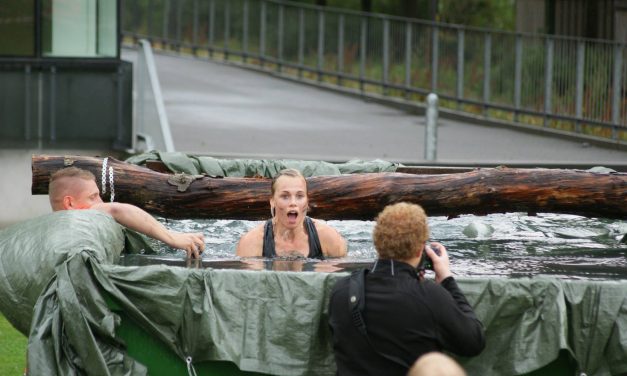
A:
{"x":111,"y":183}
{"x":104,"y":179}
{"x":103,"y":185}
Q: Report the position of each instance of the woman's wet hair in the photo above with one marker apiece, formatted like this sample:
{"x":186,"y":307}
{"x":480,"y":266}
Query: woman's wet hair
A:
{"x":401,"y":230}
{"x":291,"y":172}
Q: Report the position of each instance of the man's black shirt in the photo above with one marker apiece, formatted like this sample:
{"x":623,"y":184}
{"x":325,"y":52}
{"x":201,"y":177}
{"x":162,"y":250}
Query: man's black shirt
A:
{"x":405,"y":318}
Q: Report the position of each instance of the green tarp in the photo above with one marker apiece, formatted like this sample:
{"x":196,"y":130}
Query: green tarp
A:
{"x":58,"y":268}
{"x":31,"y":251}
{"x":195,"y":165}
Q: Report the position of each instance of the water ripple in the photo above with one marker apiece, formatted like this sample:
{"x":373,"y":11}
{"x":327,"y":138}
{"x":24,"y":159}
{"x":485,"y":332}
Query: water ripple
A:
{"x":510,"y":245}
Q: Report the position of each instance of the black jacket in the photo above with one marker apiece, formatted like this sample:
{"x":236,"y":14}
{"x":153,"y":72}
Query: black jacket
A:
{"x":405,"y":318}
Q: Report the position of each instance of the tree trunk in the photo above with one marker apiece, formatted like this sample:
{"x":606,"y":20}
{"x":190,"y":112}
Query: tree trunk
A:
{"x":359,"y":196}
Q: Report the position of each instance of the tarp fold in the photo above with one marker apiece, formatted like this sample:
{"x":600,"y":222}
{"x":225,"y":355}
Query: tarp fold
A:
{"x":194,"y":165}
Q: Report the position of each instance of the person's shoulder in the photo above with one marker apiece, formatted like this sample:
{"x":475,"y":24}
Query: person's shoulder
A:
{"x":333,"y":244}
{"x":415,"y":287}
{"x":251,"y":243}
{"x":435,"y":291}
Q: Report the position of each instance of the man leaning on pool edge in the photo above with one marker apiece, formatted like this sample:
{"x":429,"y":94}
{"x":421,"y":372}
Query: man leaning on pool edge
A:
{"x":72,"y":188}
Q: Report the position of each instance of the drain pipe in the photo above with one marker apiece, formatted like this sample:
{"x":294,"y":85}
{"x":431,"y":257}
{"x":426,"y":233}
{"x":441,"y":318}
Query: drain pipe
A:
{"x":431,"y":131}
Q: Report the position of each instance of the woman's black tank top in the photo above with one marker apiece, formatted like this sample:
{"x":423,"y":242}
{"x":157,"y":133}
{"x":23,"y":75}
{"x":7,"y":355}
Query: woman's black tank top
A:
{"x":315,"y":249}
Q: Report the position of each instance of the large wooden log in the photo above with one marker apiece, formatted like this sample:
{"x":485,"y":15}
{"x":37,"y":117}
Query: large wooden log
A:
{"x":361,"y":196}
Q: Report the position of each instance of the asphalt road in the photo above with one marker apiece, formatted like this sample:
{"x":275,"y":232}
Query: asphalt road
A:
{"x":224,"y":110}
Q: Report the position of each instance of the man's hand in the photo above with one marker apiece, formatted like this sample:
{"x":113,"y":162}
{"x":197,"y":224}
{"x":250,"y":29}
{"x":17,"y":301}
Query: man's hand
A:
{"x":192,"y":243}
{"x":440,"y":262}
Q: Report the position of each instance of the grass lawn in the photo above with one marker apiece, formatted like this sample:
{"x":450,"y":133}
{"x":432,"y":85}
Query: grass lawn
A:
{"x":12,"y":349}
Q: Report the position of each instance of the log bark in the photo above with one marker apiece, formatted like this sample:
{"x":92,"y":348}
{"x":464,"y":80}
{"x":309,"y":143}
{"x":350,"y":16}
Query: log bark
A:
{"x":361,"y":196}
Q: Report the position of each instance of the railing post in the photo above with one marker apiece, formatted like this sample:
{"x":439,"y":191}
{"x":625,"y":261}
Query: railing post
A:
{"x":518,"y":76}
{"x":148,"y":20}
{"x":581,"y":53}
{"x":617,"y":88}
{"x":136,"y":15}
{"x":150,"y":75}
{"x":340,"y":49}
{"x":245,"y":31}
{"x":460,"y":66}
{"x":27,"y":102}
{"x":386,"y":54}
{"x":40,"y":108}
{"x":487,"y":64}
{"x":280,"y":39}
{"x":195,"y":28}
{"x":548,"y":79}
{"x":52,"y":104}
{"x":301,"y":41}
{"x":262,"y":34}
{"x":166,"y":22}
{"x":408,"y":43}
{"x":227,"y":28}
{"x":431,"y":130}
{"x":211,"y":27}
{"x":362,"y":52}
{"x":435,"y":52}
{"x":179,"y":5}
{"x":320,"y":64}
{"x":120,"y":107}
{"x":140,"y":106}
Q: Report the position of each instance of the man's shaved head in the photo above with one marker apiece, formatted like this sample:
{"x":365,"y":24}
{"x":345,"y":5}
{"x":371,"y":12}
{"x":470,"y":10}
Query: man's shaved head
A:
{"x":69,"y":182}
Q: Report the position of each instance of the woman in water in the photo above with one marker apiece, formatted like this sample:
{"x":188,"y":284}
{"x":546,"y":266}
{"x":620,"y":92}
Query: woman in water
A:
{"x":290,"y":232}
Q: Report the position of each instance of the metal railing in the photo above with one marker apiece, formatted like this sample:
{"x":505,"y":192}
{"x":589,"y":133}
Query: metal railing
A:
{"x":152,"y":129}
{"x":551,"y":82}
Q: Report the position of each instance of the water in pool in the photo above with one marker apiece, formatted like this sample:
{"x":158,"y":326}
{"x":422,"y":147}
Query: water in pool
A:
{"x":502,"y":245}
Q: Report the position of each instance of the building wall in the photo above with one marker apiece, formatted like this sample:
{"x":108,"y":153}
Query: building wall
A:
{"x":584,"y":18}
{"x":597,"y":19}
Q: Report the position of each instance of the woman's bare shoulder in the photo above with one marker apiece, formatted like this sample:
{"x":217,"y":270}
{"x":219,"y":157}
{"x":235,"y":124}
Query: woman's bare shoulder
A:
{"x":251,"y":243}
{"x":333,"y":244}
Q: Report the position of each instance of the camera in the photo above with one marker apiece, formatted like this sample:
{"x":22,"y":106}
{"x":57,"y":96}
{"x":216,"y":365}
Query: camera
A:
{"x":425,"y":261}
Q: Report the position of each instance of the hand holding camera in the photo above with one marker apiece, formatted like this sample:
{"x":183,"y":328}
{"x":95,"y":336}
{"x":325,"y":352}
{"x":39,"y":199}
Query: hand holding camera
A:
{"x":435,"y":258}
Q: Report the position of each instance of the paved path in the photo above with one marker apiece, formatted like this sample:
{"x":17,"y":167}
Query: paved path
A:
{"x":219,"y":109}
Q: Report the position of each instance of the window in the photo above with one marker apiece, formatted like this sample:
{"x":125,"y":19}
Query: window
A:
{"x":79,"y":28}
{"x":17,"y":29}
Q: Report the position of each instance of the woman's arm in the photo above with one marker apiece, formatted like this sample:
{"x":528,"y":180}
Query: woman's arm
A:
{"x":251,"y":243}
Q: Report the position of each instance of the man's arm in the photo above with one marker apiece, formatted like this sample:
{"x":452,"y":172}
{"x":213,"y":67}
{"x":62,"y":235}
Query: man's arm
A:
{"x":460,"y":332}
{"x":137,"y":219}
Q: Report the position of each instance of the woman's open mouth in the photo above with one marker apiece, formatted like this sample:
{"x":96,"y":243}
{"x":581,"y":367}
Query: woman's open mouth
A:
{"x":292,"y":215}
